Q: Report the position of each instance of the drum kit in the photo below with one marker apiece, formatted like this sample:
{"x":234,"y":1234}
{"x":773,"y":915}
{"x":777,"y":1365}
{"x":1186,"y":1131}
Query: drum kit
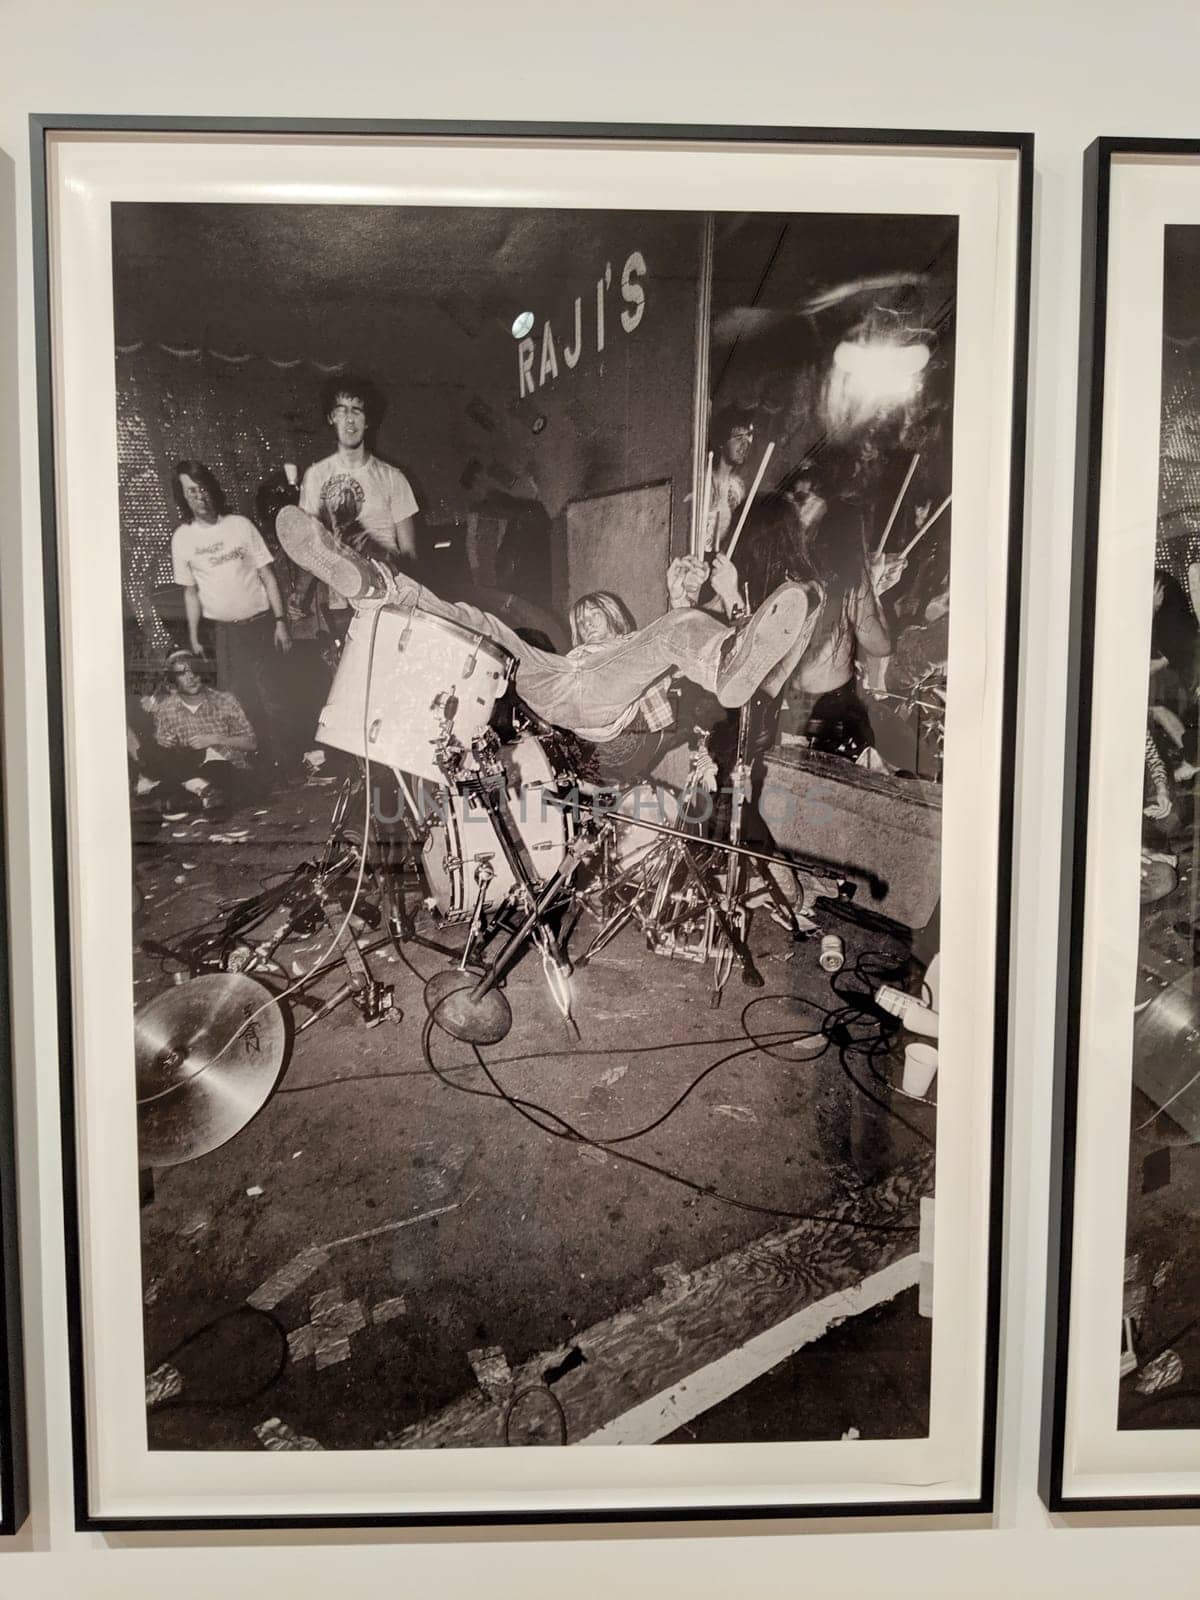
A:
{"x":506,"y":842}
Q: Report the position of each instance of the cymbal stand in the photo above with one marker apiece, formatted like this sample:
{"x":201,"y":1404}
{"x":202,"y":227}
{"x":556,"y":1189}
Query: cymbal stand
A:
{"x":738,"y":867}
{"x":648,"y":880}
{"x":468,"y":1005}
{"x":691,"y":913}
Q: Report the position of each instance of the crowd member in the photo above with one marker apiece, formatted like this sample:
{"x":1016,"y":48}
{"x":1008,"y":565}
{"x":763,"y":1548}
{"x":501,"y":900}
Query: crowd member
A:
{"x":594,"y":689}
{"x":203,"y":742}
{"x":225,"y":570}
{"x":909,"y":726}
{"x":1158,"y":800}
{"x":732,"y":438}
{"x":1174,"y":671}
{"x":366,"y":502}
{"x":818,"y":541}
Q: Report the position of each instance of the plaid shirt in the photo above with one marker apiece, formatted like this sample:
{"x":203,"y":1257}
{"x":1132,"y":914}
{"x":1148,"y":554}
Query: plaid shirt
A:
{"x":655,"y":710}
{"x":215,"y":713}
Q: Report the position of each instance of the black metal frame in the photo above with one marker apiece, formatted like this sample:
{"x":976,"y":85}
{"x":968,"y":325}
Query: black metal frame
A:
{"x":14,"y":1484}
{"x":1020,"y":145}
{"x":1093,"y":313}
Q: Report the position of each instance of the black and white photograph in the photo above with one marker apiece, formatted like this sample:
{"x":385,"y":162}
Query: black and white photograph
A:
{"x":1161,"y":1336}
{"x":1127,"y":1419}
{"x":546,"y":783}
{"x":14,"y":1490}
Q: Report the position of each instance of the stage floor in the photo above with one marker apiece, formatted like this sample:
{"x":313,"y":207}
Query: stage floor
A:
{"x":378,"y":1260}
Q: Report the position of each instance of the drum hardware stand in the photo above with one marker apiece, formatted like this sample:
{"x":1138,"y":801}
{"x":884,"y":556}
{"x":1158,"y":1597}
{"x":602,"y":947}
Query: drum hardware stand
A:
{"x":374,"y":1000}
{"x":661,"y":934}
{"x":736,"y":869}
{"x":650,"y":878}
{"x":704,"y":917}
{"x":468,"y":1005}
{"x":484,"y":874}
{"x":394,"y":908}
{"x":307,"y":896}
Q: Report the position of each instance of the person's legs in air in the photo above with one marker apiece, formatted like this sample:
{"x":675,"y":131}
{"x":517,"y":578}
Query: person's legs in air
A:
{"x":587,"y":690}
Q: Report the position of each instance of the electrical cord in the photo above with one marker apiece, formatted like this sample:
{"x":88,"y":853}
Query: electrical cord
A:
{"x":551,"y":1122}
{"x":183,"y":1402}
{"x":523,"y":1394}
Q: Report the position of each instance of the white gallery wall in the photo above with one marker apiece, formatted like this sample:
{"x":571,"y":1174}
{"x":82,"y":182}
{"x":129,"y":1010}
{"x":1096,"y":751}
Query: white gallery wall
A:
{"x":1065,"y":69}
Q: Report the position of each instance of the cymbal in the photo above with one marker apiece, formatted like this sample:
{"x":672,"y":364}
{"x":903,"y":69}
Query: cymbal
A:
{"x":199,"y":1079}
{"x":1166,"y":1035}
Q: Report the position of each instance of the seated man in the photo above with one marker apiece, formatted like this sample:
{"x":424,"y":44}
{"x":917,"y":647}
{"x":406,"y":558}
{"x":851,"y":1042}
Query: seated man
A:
{"x":203,"y":742}
{"x":591,"y":689}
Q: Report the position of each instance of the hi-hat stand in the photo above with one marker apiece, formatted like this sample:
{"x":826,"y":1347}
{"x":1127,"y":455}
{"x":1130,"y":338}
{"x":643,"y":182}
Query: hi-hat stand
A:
{"x":688,"y":894}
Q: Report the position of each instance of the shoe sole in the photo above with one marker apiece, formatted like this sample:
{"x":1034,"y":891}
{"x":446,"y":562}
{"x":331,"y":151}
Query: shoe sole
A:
{"x":769,"y":635}
{"x":311,"y":546}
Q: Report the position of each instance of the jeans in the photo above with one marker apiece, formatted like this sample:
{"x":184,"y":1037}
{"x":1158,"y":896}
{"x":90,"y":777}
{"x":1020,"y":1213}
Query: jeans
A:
{"x":173,"y":766}
{"x":592,"y":689}
{"x":251,"y":668}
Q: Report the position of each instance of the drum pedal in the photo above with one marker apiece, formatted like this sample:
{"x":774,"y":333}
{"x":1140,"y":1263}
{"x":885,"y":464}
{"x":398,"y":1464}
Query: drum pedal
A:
{"x":377,"y":1002}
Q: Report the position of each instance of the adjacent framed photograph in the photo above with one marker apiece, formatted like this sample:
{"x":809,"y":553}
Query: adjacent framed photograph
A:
{"x":532,"y":612}
{"x":1125,"y":1419}
{"x":13,"y":1481}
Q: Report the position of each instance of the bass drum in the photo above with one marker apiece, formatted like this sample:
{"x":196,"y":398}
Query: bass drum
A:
{"x":462,"y":850}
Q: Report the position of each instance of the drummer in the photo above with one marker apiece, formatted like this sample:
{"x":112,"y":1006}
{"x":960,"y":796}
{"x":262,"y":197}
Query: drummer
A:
{"x":592,"y":689}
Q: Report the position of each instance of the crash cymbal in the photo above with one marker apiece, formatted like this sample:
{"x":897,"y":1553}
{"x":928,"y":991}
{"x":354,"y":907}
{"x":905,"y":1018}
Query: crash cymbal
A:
{"x":207,"y":1055}
{"x":1166,"y":1035}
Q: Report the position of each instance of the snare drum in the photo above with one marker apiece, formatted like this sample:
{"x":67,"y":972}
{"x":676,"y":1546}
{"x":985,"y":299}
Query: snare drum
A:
{"x":424,"y":671}
{"x":462,"y":848}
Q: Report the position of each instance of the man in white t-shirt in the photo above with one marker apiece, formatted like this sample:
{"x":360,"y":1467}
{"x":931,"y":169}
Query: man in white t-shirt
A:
{"x":225,"y":570}
{"x":362,"y":500}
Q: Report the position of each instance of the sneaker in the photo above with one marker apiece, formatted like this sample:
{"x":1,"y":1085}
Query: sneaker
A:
{"x":760,"y":643}
{"x":311,"y":546}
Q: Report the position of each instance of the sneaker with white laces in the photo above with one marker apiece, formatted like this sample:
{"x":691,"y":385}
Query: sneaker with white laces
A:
{"x":760,"y":643}
{"x":310,"y":545}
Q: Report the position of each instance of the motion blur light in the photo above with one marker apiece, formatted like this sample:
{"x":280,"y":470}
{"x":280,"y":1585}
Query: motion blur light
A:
{"x":879,"y":368}
{"x":522,"y":323}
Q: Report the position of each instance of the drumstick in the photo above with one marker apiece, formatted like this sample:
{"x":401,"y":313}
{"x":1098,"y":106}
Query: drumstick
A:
{"x":924,"y":528}
{"x":702,"y":517}
{"x":912,"y":467}
{"x":758,"y":477}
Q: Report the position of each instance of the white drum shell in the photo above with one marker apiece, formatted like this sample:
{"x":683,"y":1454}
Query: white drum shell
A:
{"x":401,"y":672}
{"x":462,"y":840}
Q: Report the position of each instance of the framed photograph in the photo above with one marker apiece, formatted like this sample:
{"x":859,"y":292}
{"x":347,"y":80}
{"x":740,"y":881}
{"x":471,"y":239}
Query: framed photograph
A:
{"x":13,"y":1484}
{"x":1125,"y":1419}
{"x":533,"y":613}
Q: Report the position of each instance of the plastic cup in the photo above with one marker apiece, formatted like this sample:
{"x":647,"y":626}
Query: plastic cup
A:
{"x":920,"y":1068}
